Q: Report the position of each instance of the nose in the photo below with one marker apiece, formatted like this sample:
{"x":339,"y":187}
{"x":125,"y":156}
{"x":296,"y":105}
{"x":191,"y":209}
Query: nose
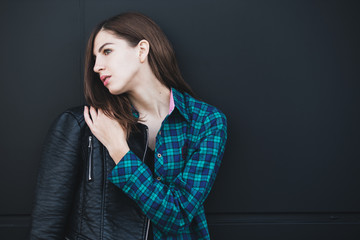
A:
{"x":98,"y":66}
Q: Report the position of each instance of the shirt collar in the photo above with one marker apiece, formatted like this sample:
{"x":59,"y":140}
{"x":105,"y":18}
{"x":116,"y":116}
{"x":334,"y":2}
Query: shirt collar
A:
{"x":177,"y":100}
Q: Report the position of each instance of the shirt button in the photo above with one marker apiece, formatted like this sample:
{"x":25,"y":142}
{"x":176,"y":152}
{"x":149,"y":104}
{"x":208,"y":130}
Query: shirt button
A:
{"x":158,"y":178}
{"x":159,"y":132}
{"x":159,"y":155}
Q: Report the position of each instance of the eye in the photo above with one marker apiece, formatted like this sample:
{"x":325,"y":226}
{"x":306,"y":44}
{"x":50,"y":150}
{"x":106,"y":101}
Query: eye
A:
{"x":107,"y":51}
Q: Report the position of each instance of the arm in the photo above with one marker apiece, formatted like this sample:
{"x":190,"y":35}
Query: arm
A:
{"x":56,"y":179}
{"x":172,"y":206}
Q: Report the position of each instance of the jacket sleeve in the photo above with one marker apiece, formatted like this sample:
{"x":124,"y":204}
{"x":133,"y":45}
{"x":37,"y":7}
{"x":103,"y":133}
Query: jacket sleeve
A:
{"x":56,"y":179}
{"x":172,"y":206}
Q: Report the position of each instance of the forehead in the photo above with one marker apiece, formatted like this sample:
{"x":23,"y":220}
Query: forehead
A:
{"x":104,"y":37}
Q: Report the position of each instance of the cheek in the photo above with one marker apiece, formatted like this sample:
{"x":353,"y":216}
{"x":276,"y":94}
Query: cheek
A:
{"x":130,"y":66}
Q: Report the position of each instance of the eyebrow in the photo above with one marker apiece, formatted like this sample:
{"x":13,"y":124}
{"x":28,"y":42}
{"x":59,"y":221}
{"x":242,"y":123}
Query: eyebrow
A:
{"x":100,"y":48}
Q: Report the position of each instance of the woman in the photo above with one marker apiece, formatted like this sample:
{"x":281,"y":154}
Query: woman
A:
{"x":141,"y":160}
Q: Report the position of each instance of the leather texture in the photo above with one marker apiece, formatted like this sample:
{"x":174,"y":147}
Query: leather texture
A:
{"x":74,"y":199}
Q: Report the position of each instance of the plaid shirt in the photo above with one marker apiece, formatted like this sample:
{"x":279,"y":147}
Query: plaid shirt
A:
{"x":188,"y":152}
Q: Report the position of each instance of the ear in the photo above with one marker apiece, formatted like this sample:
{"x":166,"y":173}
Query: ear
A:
{"x":144,"y":48}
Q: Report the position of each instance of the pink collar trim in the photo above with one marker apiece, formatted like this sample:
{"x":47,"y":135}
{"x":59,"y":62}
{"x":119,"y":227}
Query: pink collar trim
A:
{"x":172,"y":104}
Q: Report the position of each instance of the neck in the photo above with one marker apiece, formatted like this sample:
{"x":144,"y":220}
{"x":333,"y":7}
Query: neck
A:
{"x":151,"y":98}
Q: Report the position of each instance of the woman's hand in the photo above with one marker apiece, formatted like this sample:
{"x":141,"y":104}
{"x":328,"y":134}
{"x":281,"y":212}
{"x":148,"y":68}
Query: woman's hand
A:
{"x":108,"y":131}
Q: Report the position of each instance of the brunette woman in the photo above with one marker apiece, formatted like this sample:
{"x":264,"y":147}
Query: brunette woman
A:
{"x":139,"y":161}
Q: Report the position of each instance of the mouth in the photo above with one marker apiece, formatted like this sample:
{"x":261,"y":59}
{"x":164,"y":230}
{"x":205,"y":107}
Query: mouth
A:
{"x":105,"y":79}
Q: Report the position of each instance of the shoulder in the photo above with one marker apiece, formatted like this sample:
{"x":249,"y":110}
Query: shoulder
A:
{"x":66,"y":130}
{"x":203,"y":118}
{"x":71,"y":116}
{"x":77,"y":112}
{"x":201,"y":111}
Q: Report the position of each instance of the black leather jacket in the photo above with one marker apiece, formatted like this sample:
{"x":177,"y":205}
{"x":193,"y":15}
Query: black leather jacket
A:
{"x":74,"y":199}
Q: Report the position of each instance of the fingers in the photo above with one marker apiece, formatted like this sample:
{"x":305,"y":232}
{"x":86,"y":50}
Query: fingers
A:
{"x":93,"y":117}
{"x":93,"y":113}
{"x":87,"y":114}
{"x":100,"y":112}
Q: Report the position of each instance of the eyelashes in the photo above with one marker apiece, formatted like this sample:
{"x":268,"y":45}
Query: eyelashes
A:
{"x":105,"y":52}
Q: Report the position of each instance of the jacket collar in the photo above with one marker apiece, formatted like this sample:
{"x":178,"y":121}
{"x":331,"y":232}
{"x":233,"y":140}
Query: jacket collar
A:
{"x":179,"y":102}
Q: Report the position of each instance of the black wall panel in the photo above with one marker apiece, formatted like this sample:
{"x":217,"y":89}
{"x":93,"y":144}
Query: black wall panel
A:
{"x":286,"y":74}
{"x":40,"y":75}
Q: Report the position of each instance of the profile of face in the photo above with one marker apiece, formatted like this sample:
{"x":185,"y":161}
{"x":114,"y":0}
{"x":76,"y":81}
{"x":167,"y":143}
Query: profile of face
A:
{"x":116,"y":62}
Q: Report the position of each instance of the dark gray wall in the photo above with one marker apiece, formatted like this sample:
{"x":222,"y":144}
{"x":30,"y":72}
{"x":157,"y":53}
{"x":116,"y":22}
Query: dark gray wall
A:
{"x":286,"y":74}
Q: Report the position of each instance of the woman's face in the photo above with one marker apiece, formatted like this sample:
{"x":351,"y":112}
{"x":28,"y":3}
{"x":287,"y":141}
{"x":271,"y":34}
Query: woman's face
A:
{"x":116,"y":62}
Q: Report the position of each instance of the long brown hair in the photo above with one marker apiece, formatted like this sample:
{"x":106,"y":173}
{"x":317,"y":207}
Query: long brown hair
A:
{"x":132,"y":27}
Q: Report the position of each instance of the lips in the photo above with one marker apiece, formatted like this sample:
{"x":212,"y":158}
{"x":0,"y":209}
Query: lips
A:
{"x":105,"y":79}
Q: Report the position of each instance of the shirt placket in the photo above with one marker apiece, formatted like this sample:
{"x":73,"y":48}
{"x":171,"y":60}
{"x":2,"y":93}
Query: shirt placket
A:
{"x":159,"y":150}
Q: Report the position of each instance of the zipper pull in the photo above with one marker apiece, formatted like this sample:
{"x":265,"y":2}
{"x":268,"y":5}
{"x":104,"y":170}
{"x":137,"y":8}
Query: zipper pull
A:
{"x":90,"y":159}
{"x":90,"y":138}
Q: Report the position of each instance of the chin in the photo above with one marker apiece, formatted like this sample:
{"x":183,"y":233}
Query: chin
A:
{"x":115,"y":91}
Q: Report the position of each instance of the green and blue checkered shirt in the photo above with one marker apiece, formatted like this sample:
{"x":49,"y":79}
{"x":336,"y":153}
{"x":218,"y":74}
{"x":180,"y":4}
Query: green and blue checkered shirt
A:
{"x":189,"y":147}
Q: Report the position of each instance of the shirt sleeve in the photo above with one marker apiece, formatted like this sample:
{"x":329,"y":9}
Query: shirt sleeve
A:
{"x":172,"y":206}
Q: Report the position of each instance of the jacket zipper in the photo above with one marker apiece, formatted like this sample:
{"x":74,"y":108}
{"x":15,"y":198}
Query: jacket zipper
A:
{"x":147,"y":219}
{"x":90,"y":150}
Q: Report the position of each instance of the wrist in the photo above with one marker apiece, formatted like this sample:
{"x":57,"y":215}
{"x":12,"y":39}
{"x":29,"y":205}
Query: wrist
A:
{"x":117,"y":153}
